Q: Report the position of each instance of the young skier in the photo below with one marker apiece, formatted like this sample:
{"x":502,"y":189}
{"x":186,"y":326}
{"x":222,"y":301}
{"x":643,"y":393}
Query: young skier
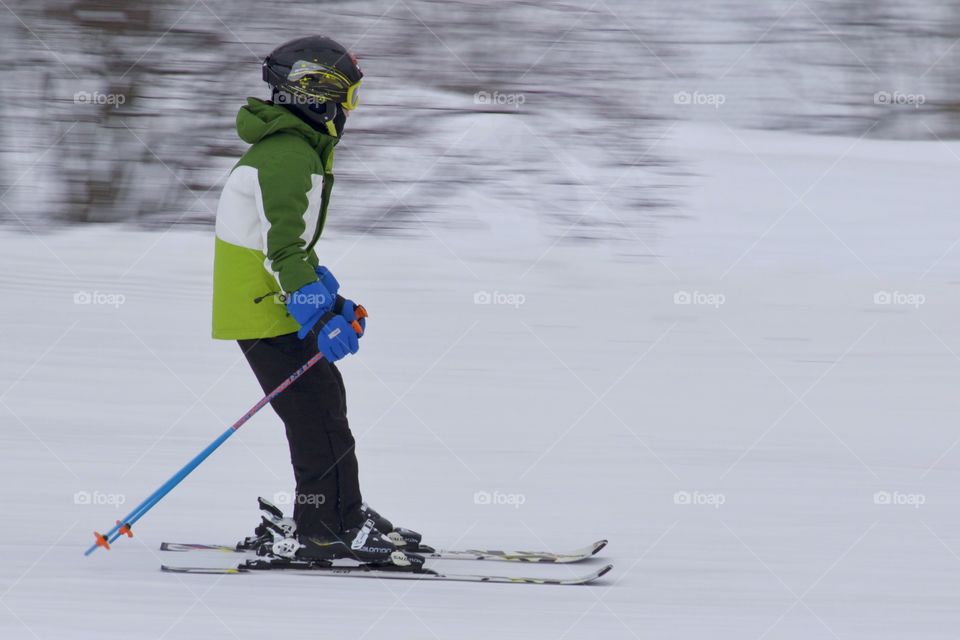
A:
{"x":272,"y":295}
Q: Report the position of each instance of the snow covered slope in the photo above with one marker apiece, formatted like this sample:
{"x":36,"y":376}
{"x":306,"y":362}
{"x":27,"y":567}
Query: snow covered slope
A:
{"x":762,"y":417}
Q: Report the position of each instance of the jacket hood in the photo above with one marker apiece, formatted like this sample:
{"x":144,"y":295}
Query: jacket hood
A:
{"x":259,"y":119}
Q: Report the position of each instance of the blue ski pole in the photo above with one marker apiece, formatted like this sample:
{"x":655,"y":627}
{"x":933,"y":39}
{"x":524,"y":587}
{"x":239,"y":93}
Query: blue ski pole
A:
{"x":125,"y":526}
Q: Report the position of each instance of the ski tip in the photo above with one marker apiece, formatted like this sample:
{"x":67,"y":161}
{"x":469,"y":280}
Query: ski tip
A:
{"x":604,"y":571}
{"x":591,"y":578}
{"x":597,"y":546}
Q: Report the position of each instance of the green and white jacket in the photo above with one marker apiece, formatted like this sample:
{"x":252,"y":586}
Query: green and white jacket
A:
{"x":269,"y":218}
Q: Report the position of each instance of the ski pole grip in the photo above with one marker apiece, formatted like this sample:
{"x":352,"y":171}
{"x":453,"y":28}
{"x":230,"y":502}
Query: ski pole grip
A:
{"x":360,"y":312}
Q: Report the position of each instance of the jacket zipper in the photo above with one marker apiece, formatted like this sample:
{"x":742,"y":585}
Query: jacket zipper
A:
{"x":324,"y":203}
{"x":259,"y":299}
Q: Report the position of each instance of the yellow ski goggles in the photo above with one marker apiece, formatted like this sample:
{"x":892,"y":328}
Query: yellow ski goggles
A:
{"x":322,"y":82}
{"x":353,"y":96}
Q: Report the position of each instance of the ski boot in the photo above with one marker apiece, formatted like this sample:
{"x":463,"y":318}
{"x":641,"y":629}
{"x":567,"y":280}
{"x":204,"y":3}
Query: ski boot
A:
{"x":365,"y":544}
{"x":405,"y":539}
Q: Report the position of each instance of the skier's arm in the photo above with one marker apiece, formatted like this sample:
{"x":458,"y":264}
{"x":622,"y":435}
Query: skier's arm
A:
{"x":283,"y":184}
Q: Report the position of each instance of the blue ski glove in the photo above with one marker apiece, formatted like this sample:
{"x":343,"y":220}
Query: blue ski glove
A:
{"x":327,"y":280}
{"x":336,"y":337}
{"x":308,"y":304}
{"x":348,"y":309}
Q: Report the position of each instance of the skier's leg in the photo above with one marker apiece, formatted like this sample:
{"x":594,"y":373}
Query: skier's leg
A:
{"x":324,"y":459}
{"x":349,"y":472}
{"x":313,"y":411}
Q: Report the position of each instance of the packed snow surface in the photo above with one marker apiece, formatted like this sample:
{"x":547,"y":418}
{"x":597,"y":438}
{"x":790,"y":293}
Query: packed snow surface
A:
{"x":754,"y":399}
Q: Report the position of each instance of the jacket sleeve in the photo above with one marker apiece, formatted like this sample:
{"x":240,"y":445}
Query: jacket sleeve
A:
{"x":284,"y":181}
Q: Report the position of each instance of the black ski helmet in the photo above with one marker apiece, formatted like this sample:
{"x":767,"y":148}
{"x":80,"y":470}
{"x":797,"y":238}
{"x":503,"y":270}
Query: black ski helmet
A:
{"x":316,"y":78}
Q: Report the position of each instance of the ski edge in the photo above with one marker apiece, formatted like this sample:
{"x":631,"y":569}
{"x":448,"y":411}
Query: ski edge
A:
{"x":546,"y":557}
{"x":183,"y":547}
{"x":358,"y":572}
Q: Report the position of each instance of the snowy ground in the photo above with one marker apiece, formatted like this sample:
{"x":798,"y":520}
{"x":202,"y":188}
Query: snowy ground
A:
{"x":774,"y":460}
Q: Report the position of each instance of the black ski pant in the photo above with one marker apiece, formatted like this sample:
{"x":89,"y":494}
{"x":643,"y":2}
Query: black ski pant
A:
{"x":322,"y":449}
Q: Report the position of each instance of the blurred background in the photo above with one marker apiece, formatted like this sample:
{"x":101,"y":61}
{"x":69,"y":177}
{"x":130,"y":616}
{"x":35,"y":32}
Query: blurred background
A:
{"x":114,"y":111}
{"x":678,"y":273}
